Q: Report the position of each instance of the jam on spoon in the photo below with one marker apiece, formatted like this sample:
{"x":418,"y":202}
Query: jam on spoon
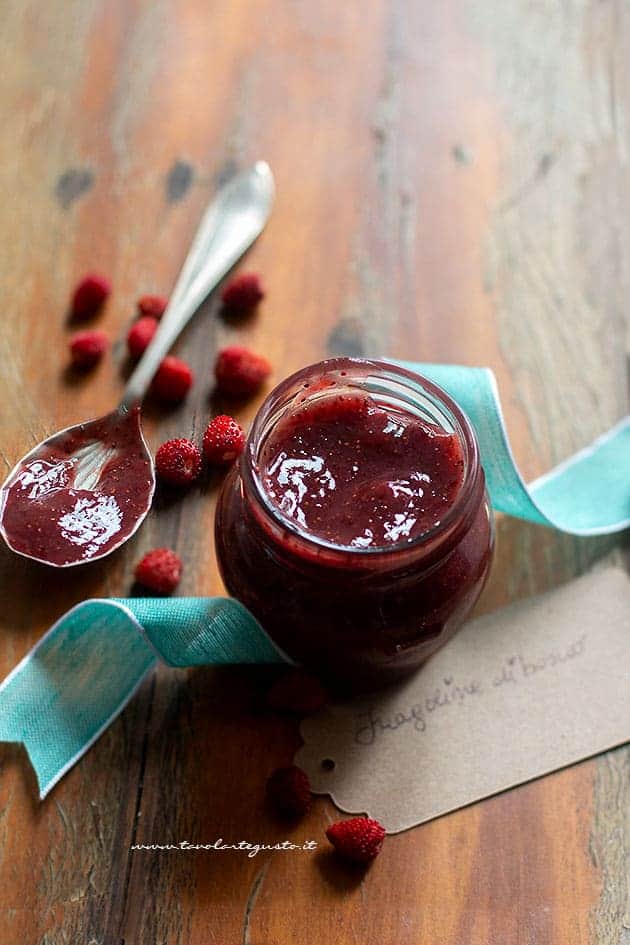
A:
{"x":82,"y":492}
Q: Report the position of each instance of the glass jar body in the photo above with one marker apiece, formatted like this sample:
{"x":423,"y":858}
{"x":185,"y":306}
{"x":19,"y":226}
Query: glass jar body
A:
{"x":356,"y":618}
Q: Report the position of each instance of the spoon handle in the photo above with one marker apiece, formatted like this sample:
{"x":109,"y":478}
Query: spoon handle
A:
{"x":231,"y":223}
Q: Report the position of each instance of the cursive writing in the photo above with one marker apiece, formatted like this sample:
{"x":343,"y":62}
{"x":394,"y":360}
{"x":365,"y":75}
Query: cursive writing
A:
{"x":516,"y":669}
{"x":371,"y":724}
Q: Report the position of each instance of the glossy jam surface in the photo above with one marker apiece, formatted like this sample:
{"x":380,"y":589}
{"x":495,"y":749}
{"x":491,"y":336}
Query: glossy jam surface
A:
{"x":356,"y":526}
{"x":78,"y":496}
{"x":360,"y":474}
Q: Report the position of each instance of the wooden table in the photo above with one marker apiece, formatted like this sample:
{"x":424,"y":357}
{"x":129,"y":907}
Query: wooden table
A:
{"x":452,"y":185}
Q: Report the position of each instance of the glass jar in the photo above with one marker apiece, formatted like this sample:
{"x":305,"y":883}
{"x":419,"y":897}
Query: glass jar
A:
{"x":354,"y":615}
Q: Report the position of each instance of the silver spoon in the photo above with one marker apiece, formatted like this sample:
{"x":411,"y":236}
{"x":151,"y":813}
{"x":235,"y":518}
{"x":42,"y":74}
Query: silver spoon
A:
{"x":84,"y":491}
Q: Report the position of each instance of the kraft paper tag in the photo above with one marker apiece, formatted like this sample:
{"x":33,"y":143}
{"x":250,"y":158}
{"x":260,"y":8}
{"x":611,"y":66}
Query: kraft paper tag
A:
{"x":516,"y":694}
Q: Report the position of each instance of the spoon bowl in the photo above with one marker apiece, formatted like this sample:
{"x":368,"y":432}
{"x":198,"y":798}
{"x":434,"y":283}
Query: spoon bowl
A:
{"x":81,"y":493}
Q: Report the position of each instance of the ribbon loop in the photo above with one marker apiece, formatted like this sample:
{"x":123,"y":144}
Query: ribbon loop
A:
{"x":86,"y":668}
{"x":197,"y":631}
{"x":588,"y":494}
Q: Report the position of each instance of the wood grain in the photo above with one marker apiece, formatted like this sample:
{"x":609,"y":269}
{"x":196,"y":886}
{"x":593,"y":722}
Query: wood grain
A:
{"x":451,"y":181}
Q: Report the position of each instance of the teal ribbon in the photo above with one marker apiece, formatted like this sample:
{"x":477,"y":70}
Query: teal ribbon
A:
{"x":588,"y":494}
{"x":84,"y":670}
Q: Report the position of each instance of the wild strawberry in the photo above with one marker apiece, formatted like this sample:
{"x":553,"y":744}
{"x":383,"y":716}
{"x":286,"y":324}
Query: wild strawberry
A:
{"x":298,"y":692}
{"x":160,"y":570}
{"x":152,"y":305}
{"x":140,"y":335}
{"x":178,"y":462}
{"x":87,"y":348}
{"x":173,"y":380}
{"x":89,"y":295}
{"x":223,"y":440}
{"x":289,"y":791}
{"x":243,"y":293}
{"x":239,"y":372}
{"x":357,"y":840}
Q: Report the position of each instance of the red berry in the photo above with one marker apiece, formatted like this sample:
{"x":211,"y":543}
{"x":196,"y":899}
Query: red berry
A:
{"x":223,"y":440}
{"x":152,"y":305}
{"x":289,"y":791}
{"x":178,"y":462}
{"x":239,"y":372}
{"x":88,"y":347}
{"x":298,"y":692}
{"x":173,"y":380}
{"x":89,"y":295}
{"x":358,"y":840}
{"x":243,"y":293}
{"x":159,"y":570}
{"x":140,"y":335}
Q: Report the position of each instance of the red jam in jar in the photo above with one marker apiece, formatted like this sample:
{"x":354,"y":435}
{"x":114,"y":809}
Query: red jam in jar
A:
{"x":356,"y":526}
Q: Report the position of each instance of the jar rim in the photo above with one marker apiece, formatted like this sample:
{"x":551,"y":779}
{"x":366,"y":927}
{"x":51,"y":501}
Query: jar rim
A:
{"x":412,"y":381}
